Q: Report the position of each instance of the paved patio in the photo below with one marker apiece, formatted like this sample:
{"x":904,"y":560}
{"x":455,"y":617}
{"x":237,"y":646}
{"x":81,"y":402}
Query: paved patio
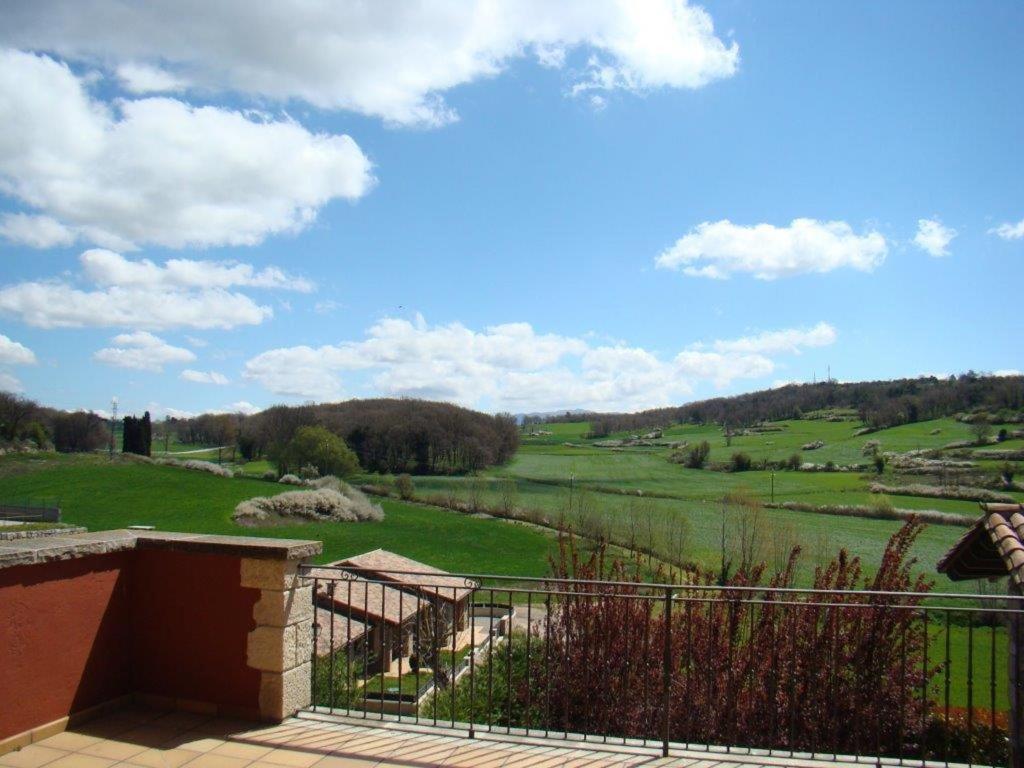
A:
{"x":144,"y":738}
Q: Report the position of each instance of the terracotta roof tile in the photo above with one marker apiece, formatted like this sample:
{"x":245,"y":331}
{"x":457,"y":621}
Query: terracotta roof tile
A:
{"x":408,"y":573}
{"x":997,"y":537}
{"x":346,"y":631}
{"x":364,"y":599}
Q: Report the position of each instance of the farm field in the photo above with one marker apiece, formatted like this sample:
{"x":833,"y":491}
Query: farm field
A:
{"x":634,"y":493}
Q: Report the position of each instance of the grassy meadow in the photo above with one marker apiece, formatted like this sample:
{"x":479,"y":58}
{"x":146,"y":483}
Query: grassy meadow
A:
{"x":102,"y":494}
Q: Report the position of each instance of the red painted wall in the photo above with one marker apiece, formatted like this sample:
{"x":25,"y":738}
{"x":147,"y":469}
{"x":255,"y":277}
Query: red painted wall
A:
{"x":77,"y":633}
{"x":65,"y":632}
{"x":191,"y":621}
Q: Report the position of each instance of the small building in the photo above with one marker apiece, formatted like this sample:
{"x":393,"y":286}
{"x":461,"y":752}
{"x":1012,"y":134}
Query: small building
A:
{"x":449,"y":595}
{"x":388,"y":617}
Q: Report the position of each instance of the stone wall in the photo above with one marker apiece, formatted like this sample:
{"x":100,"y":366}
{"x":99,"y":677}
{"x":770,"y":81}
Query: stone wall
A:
{"x":218,"y":624}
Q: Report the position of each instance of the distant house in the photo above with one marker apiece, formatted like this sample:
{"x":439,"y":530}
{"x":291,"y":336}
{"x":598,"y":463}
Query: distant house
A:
{"x":993,"y":547}
{"x":387,"y":616}
{"x":449,"y":595}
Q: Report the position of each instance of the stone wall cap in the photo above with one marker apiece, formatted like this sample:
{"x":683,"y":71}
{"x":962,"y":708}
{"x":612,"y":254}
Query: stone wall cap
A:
{"x":53,"y":548}
{"x":243,"y":546}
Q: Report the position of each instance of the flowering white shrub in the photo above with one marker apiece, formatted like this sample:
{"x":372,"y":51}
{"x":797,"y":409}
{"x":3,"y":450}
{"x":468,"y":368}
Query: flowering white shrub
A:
{"x":198,"y":466}
{"x":347,"y":505}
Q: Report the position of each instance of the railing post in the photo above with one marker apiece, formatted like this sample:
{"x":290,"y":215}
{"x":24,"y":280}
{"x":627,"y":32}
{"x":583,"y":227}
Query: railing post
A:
{"x":666,"y":674}
{"x":1016,"y":687}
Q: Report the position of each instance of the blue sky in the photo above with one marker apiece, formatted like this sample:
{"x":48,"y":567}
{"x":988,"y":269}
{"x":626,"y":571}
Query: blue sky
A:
{"x":603,"y":206}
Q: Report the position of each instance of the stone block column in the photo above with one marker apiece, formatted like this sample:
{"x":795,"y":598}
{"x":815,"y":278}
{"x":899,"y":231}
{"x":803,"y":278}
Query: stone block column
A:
{"x":281,"y":645}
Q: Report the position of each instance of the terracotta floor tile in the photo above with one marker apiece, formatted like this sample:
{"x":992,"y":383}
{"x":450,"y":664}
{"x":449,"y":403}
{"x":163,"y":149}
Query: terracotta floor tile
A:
{"x":107,"y":727}
{"x":193,"y":742}
{"x":32,"y":756}
{"x":70,"y":741}
{"x":149,"y":735}
{"x":182,"y":721}
{"x":210,"y":760}
{"x":334,"y":761}
{"x":249,"y":752}
{"x":162,"y":758}
{"x":111,"y":749}
{"x":80,"y":761}
{"x":293,"y":758}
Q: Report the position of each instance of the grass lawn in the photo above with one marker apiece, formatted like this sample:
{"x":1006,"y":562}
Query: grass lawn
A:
{"x":102,"y":495}
{"x":409,"y":683}
{"x":989,"y":645}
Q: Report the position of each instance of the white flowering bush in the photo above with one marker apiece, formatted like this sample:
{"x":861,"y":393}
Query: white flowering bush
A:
{"x":198,"y":466}
{"x":319,"y":504}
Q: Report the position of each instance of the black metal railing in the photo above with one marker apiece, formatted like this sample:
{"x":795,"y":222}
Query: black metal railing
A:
{"x":907,"y":677}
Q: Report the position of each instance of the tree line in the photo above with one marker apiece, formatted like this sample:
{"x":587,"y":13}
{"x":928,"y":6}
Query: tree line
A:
{"x":878,"y":404}
{"x":390,"y":435}
{"x":386,"y":435}
{"x":25,"y":421}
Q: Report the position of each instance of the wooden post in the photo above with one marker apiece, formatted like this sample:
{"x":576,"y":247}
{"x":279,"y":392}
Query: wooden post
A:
{"x":1016,"y":681}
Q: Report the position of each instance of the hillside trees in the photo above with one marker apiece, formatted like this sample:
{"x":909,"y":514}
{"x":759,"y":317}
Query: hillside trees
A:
{"x":316,"y":447}
{"x":15,"y":414}
{"x":879,"y":404}
{"x":78,"y":431}
{"x":391,"y":435}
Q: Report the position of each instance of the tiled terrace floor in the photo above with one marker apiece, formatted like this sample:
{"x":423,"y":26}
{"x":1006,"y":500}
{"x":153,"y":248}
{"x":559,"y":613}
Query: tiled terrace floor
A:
{"x":143,"y":738}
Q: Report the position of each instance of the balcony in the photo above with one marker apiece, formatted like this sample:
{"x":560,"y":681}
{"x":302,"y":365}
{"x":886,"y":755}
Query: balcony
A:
{"x":157,"y":649}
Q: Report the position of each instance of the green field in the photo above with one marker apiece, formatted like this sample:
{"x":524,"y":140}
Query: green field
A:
{"x":102,"y":494}
{"x":636,"y":495}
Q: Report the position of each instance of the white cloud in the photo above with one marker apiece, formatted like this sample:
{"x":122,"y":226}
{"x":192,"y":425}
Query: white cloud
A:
{"x":720,"y":249}
{"x":789,"y":341}
{"x":326,"y":307}
{"x":10,"y":383}
{"x":142,"y":351}
{"x":1009,"y":231}
{"x":204,"y":377}
{"x":197,"y":342}
{"x":157,"y":170}
{"x":513,"y":367}
{"x":57,"y":305}
{"x":13,"y":353}
{"x":105,"y":267}
{"x":934,"y":238}
{"x":174,"y":413}
{"x":143,"y":78}
{"x":242,"y":406}
{"x":1007,"y":372}
{"x":35,"y":231}
{"x":391,"y":60}
{"x":141,"y":294}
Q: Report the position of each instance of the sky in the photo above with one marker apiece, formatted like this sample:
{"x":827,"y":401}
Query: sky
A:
{"x":514,"y":206}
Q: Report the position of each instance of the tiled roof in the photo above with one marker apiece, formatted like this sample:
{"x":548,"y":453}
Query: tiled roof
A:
{"x":363,"y":599}
{"x":994,"y":546}
{"x":421,"y":577}
{"x":346,"y":631}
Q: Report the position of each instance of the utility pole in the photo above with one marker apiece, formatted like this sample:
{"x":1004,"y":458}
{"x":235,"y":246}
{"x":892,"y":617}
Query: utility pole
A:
{"x":113,"y":421}
{"x":167,"y":433}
